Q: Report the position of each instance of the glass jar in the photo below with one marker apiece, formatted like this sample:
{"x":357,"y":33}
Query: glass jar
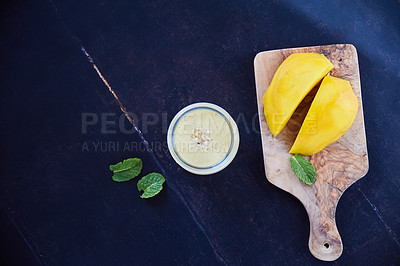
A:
{"x":203,"y":138}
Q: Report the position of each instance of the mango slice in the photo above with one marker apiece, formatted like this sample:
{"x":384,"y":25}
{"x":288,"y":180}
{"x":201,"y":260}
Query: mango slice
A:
{"x":331,"y":114}
{"x":293,"y":80}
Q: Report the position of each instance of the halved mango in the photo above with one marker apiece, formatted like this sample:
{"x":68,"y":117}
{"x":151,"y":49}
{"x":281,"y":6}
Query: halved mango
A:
{"x":331,"y":114}
{"x":293,"y":80}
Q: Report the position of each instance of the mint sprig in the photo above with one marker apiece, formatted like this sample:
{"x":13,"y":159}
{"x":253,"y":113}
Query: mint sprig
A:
{"x":303,"y":169}
{"x":151,"y":184}
{"x":130,"y":168}
{"x":127,"y":169}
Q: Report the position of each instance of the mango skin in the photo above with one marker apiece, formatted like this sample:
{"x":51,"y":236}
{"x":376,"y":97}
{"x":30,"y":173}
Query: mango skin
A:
{"x":293,"y":80}
{"x":331,"y":114}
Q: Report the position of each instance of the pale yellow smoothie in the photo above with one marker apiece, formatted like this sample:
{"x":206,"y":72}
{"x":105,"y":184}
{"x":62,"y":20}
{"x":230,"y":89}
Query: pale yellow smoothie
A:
{"x":202,"y":137}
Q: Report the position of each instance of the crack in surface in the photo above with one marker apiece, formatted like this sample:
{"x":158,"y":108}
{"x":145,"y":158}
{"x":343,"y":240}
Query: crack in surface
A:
{"x":175,"y":189}
{"x":121,"y":106}
{"x":3,"y":206}
{"x":378,"y":213}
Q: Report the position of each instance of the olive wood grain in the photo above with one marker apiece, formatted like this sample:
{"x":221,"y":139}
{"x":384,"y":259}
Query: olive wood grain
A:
{"x":338,"y":166}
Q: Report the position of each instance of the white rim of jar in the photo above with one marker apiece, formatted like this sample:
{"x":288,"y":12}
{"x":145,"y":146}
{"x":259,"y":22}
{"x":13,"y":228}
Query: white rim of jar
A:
{"x":234,"y":140}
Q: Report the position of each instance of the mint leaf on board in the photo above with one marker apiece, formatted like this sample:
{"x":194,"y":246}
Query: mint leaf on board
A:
{"x":127,"y":169}
{"x":303,"y":169}
{"x":151,"y":184}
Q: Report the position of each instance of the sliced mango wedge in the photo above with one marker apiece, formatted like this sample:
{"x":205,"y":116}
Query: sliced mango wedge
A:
{"x":331,"y":114}
{"x":293,"y":80}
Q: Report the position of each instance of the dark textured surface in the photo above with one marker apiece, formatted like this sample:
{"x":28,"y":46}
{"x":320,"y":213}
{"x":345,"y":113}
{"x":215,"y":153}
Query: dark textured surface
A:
{"x":160,"y":56}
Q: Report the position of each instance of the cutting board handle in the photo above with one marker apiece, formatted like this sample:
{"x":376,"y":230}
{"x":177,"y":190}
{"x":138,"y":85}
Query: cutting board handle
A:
{"x":325,"y":242}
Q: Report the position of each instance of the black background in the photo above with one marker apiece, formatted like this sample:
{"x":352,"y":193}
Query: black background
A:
{"x":59,"y":205}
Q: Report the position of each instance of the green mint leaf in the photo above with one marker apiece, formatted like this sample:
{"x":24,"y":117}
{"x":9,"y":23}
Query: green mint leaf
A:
{"x":151,"y":184}
{"x":151,"y":191}
{"x":127,"y":169}
{"x":303,"y":169}
{"x":126,"y":165}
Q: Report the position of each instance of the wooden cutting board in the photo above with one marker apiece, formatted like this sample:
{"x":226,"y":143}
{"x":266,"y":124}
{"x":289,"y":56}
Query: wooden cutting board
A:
{"x":338,"y":166}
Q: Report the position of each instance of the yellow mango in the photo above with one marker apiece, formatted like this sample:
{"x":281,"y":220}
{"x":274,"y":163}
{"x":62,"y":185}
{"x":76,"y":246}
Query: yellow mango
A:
{"x":293,"y":80}
{"x":331,"y":114}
